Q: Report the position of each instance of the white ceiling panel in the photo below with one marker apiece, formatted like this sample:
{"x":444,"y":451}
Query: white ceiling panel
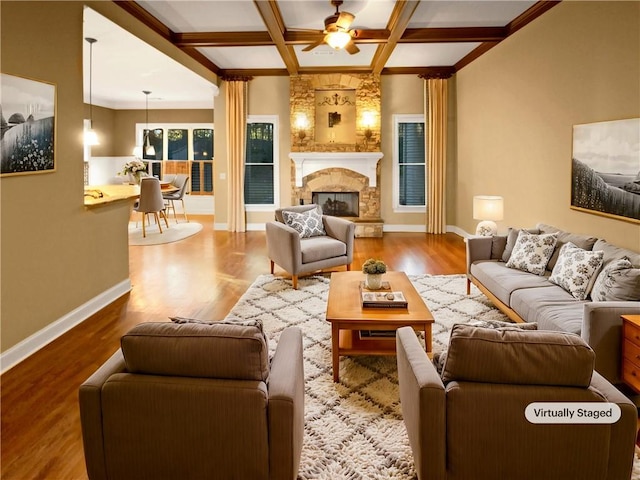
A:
{"x":441,"y":14}
{"x":240,"y":57}
{"x":434,"y":54}
{"x":206,"y":16}
{"x":324,"y":55}
{"x":310,"y":14}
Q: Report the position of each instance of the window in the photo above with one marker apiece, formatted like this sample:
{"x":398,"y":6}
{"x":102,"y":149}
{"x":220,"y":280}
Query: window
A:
{"x":181,"y":148}
{"x":409,"y":167}
{"x":261,"y":163}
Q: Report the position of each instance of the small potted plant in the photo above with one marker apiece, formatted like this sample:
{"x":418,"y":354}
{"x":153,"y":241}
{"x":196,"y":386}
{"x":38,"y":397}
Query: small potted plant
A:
{"x":374,"y":270}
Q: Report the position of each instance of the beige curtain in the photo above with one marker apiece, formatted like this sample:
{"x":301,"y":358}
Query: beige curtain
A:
{"x":236,"y":97}
{"x":436,"y":138}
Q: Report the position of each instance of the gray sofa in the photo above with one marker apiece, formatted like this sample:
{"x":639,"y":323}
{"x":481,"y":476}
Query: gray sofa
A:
{"x":527,"y":297}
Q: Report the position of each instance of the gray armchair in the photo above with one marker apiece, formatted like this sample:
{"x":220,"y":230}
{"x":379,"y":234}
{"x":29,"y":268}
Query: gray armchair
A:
{"x":470,"y":421}
{"x":194,"y":401}
{"x":299,"y":256}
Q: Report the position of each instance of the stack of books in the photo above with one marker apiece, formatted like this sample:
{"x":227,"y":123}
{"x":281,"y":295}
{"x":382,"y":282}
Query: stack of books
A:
{"x":383,"y":298}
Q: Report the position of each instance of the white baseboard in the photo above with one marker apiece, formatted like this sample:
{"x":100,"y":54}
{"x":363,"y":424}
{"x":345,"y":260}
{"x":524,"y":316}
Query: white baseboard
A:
{"x":35,"y":342}
{"x":256,"y":227}
{"x":220,"y":226}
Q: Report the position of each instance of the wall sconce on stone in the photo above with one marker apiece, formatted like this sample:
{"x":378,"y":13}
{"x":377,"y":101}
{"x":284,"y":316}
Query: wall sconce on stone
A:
{"x":301,"y":125}
{"x":368,"y":121}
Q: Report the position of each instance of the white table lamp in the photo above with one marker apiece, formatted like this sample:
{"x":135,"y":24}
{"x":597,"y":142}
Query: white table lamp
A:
{"x":488,"y":209}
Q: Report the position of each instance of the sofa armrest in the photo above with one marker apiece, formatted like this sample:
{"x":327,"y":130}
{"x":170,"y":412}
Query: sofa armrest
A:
{"x":623,"y":432}
{"x":283,"y":246}
{"x":90,"y":398}
{"x":342,"y":230}
{"x":422,"y":398}
{"x":478,"y":248}
{"x":286,"y":406}
{"x":602,"y":330}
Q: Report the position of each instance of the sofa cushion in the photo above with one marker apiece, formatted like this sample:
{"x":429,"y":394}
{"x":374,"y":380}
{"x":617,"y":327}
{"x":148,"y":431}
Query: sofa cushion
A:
{"x":503,"y":281}
{"x":512,"y":236}
{"x":576,"y":269}
{"x":196,"y":350}
{"x":618,"y":281}
{"x":611,"y":252}
{"x":551,"y":307}
{"x":531,"y":253}
{"x":585,"y":242}
{"x":518,"y":357}
{"x":439,"y":358}
{"x":319,"y":248}
{"x":307,"y":224}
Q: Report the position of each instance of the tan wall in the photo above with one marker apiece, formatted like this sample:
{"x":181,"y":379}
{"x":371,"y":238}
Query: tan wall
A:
{"x":267,"y":96}
{"x":56,"y":255}
{"x":578,"y":63}
{"x":401,"y":94}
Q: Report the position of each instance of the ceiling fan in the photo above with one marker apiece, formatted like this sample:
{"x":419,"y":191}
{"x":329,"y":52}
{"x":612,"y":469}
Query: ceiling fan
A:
{"x":337,"y":33}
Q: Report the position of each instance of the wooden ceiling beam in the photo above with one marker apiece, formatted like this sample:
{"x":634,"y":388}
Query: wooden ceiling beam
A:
{"x":272,"y":19}
{"x":435,"y":35}
{"x":402,"y":12}
{"x":222,"y":39}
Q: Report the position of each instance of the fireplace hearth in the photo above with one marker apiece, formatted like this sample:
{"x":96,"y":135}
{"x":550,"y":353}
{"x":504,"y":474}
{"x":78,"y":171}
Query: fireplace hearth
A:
{"x":338,"y":204}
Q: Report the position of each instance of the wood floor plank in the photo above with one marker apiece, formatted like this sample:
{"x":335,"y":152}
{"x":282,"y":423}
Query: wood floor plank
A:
{"x":201,"y":277}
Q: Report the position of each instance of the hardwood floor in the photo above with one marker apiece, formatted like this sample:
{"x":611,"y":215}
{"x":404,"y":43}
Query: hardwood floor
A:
{"x":200,"y":277}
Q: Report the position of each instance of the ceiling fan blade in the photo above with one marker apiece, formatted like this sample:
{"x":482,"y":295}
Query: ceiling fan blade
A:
{"x":313,"y":45}
{"x":351,"y":47}
{"x":345,"y":19}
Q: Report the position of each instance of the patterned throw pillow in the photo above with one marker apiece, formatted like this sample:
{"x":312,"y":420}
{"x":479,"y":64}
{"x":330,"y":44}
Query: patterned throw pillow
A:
{"x":307,"y":224}
{"x":576,"y":269}
{"x":531,"y":253}
{"x":439,"y":358}
{"x":618,"y":281}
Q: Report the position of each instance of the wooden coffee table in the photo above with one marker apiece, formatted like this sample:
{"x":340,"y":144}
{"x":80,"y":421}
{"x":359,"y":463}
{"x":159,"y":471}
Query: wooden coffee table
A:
{"x":348,"y":318}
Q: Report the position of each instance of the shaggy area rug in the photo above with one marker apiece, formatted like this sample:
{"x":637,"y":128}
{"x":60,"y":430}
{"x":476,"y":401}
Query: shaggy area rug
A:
{"x":354,"y":428}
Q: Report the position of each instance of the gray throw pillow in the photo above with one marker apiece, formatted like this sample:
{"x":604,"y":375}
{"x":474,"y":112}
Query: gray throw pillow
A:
{"x":439,"y":358}
{"x":576,"y":270}
{"x":531,"y":253}
{"x":307,"y":224}
{"x":512,"y":236}
{"x":618,"y":281}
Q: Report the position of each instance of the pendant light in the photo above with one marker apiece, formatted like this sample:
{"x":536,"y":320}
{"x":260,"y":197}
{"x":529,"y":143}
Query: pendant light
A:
{"x":90,"y":136}
{"x":149,"y":149}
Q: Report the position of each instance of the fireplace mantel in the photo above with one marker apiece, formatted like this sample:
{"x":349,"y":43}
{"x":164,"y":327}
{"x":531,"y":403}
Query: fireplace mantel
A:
{"x":364,"y":163}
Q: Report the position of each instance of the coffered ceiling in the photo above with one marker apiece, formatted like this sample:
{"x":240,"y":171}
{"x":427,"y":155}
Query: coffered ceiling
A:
{"x":268,"y":37}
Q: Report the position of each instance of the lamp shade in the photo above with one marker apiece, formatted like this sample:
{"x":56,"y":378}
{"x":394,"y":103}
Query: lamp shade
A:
{"x":488,"y":207}
{"x":90,"y":137}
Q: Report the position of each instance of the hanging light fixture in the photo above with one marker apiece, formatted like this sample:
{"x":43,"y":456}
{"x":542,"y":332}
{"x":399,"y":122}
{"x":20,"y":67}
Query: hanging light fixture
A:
{"x":149,"y":150}
{"x":90,"y":136}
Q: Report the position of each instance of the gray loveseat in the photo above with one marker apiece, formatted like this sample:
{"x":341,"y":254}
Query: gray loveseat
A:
{"x":527,"y":297}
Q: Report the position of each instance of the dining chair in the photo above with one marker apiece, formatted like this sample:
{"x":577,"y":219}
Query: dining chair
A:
{"x":151,"y":201}
{"x":181,"y":182}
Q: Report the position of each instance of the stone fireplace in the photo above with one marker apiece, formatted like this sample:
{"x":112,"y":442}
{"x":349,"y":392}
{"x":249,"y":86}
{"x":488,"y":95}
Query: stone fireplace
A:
{"x":335,"y":173}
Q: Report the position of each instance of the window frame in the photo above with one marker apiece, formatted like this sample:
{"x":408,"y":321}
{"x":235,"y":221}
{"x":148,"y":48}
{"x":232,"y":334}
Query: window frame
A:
{"x":397,"y":119}
{"x":141,"y":127}
{"x":266,"y":207}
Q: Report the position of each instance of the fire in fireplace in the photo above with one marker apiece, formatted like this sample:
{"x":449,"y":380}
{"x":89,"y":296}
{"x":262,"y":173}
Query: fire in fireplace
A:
{"x":338,"y":204}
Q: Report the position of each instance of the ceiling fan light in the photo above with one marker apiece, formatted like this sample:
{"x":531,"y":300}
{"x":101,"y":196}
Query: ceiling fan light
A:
{"x":338,"y":40}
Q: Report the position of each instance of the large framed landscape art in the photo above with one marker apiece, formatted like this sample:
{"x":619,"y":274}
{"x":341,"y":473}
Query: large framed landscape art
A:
{"x":27,"y":126}
{"x":605,"y":173}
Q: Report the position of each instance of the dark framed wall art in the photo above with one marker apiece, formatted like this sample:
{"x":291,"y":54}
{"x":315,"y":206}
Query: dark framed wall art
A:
{"x":27,"y":126}
{"x":605,"y":173}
